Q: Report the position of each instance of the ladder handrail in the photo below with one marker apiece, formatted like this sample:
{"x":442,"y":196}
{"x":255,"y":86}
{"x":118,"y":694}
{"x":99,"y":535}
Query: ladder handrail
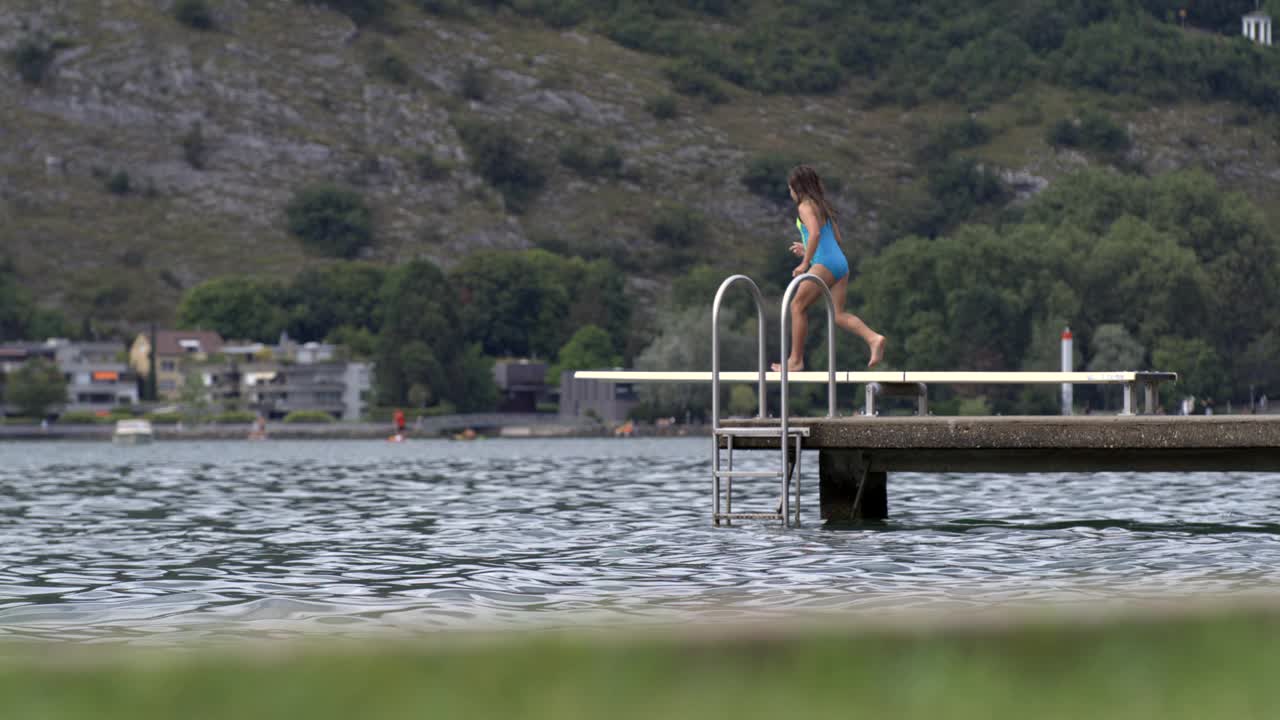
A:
{"x":782,"y":368}
{"x":786,"y":342}
{"x":715,"y":344}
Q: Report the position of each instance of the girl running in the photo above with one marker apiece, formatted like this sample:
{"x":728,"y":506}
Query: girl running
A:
{"x":825,"y":259}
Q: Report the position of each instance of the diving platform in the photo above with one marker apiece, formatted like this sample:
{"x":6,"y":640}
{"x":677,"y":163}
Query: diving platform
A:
{"x":857,"y":451}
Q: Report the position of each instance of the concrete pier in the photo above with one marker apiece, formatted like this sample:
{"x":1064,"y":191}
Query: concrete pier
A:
{"x":858,"y":453}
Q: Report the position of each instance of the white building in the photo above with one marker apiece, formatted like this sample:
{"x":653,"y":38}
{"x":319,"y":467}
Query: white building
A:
{"x":1257,"y":27}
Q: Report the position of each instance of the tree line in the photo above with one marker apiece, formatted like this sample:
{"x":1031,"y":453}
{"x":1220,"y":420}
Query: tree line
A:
{"x":976,"y":51}
{"x":1169,"y":273}
{"x":433,"y":334}
{"x":21,"y":316}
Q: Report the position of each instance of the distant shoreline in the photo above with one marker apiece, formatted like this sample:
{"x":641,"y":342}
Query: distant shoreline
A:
{"x":327,"y":431}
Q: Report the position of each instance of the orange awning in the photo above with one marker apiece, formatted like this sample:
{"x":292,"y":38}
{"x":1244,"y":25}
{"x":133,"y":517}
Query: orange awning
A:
{"x":106,"y":376}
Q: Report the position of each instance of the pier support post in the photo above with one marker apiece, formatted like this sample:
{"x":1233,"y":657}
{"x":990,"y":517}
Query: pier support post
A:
{"x":841,"y":473}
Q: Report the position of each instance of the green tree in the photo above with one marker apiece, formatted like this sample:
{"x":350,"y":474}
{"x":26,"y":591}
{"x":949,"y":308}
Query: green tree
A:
{"x":766,"y":176}
{"x":1199,"y":367}
{"x":1167,"y":254}
{"x":342,"y":295}
{"x":499,"y":158}
{"x":1258,"y":368}
{"x":698,"y":287}
{"x":1140,"y":274}
{"x":512,"y":304}
{"x":194,"y":14}
{"x":742,"y":401}
{"x":420,"y":344}
{"x":1090,"y":200}
{"x":959,"y":187}
{"x":662,"y":107}
{"x":1094,"y":131}
{"x":1115,"y":349}
{"x":330,"y":220}
{"x":359,"y":342}
{"x":1238,"y":251}
{"x":598,"y":296}
{"x":589,"y":348}
{"x":973,"y":51}
{"x":685,"y":343}
{"x":385,"y":62}
{"x":46,"y":323}
{"x":970,"y":300}
{"x":35,"y":388}
{"x":15,"y":304}
{"x":193,"y":399}
{"x":20,"y":317}
{"x":529,"y":303}
{"x":678,"y":232}
{"x":195,"y":149}
{"x":423,"y":370}
{"x":361,"y":12}
{"x":32,"y":58}
{"x":237,"y":307}
{"x":947,"y":139}
{"x":471,"y":381}
{"x":691,"y":78}
{"x":1001,"y":59}
{"x":417,"y":315}
{"x":583,"y":157}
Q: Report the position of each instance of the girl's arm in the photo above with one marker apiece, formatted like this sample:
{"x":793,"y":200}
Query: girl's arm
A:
{"x":809,"y":216}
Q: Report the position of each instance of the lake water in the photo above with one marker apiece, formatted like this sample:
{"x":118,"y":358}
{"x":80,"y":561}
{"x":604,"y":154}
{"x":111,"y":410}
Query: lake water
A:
{"x":170,"y":542}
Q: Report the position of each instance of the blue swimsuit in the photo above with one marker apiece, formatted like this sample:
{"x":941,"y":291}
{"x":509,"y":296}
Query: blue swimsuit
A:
{"x":829,"y":255}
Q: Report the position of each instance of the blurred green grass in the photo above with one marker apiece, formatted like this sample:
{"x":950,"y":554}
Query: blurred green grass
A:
{"x":1221,"y":664}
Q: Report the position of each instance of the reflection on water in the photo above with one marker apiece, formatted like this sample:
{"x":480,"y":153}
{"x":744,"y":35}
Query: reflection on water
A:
{"x":179,"y":540}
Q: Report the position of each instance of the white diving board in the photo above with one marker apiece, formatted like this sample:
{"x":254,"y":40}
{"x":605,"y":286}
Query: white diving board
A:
{"x":804,"y":376}
{"x":1017,"y":378}
{"x":910,"y":382}
{"x":885,"y":377}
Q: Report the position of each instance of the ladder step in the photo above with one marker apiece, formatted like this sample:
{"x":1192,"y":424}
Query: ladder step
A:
{"x":749,"y":516}
{"x":760,"y":431}
{"x":748,"y":473}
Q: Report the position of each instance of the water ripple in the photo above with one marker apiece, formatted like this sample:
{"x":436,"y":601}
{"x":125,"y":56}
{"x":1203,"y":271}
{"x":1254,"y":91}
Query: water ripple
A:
{"x":183,"y":540}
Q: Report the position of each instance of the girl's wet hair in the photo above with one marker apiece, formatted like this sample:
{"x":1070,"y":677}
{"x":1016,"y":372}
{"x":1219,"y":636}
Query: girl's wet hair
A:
{"x":808,"y":186}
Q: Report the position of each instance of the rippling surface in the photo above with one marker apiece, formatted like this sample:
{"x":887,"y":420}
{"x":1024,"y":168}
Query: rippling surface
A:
{"x":174,"y":541}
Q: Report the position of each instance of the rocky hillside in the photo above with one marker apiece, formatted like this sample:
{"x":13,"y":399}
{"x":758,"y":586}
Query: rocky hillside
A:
{"x":149,"y":155}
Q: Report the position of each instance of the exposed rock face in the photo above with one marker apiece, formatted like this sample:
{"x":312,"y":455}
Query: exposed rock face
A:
{"x":1023,"y":184}
{"x":281,"y":95}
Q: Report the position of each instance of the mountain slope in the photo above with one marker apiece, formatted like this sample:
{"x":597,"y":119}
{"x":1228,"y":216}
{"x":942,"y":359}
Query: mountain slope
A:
{"x":281,"y":95}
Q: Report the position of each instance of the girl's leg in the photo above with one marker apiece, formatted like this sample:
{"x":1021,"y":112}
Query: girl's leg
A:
{"x":854,"y":324}
{"x":805,"y":295}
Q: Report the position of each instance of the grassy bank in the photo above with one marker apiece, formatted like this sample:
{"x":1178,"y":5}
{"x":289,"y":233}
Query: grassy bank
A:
{"x":1211,"y":665}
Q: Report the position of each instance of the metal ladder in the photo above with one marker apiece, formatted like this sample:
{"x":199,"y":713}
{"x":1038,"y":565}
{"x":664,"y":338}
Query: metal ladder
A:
{"x":783,"y":431}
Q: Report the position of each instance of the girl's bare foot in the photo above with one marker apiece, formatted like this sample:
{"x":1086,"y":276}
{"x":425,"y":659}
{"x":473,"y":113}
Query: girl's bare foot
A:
{"x":792,"y":366}
{"x":877,"y":351}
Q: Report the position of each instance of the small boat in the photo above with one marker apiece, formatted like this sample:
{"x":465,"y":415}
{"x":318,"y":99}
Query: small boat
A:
{"x":132,"y":432}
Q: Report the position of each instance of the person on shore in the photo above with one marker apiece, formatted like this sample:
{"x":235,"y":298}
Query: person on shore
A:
{"x":821,"y":255}
{"x":259,"y":429}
